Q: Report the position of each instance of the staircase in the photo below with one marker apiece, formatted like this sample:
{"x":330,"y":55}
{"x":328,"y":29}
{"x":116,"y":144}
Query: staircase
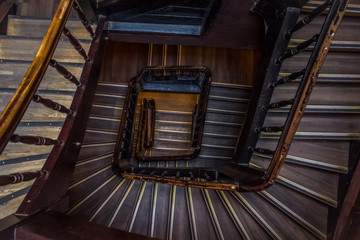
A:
{"x":18,"y":48}
{"x":300,"y":205}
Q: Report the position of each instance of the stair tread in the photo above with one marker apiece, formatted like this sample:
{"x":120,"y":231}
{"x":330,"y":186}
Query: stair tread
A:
{"x":37,"y":27}
{"x":335,"y":63}
{"x":64,"y":52}
{"x":285,"y":227}
{"x":83,"y":187}
{"x":93,"y":200}
{"x":294,"y":202}
{"x":339,"y":123}
{"x":323,"y":151}
{"x":12,"y":73}
{"x":319,"y":184}
{"x":323,"y":94}
{"x":345,"y":32}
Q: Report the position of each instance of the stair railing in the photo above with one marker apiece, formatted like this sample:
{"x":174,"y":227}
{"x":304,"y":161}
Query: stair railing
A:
{"x":298,"y":103}
{"x":238,"y":175}
{"x":26,"y":92}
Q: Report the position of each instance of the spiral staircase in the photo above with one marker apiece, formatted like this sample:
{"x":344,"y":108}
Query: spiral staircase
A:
{"x":303,"y":203}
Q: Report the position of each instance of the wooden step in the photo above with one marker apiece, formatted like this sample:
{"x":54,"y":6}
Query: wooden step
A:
{"x":335,"y":63}
{"x":332,"y":94}
{"x":90,"y":202}
{"x":353,"y":8}
{"x":282,"y":225}
{"x":87,"y":166}
{"x":311,"y":122}
{"x":37,"y":27}
{"x":37,"y":111}
{"x":323,"y":154}
{"x":292,"y":204}
{"x":121,"y":217}
{"x":83,"y":187}
{"x":94,"y":149}
{"x":19,"y":48}
{"x":12,"y":73}
{"x":347,"y":31}
{"x":318,"y":184}
{"x":33,"y":8}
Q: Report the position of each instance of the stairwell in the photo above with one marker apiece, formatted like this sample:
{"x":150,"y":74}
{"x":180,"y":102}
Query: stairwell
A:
{"x":298,"y":206}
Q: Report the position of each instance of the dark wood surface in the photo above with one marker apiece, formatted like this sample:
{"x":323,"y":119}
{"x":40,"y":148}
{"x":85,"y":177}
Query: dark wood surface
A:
{"x":234,"y":27}
{"x":53,"y":225}
{"x":43,"y":192}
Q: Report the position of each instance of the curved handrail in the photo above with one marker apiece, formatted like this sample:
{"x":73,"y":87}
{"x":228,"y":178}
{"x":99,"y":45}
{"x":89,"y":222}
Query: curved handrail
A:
{"x":302,"y":97}
{"x":21,"y":99}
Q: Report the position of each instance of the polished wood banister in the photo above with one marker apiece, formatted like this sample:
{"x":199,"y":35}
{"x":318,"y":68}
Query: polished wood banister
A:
{"x":21,"y":99}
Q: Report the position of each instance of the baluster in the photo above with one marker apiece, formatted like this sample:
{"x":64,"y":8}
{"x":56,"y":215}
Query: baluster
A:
{"x":76,"y":44}
{"x":270,"y":129}
{"x":51,"y":104}
{"x":36,"y":140}
{"x":310,"y":17}
{"x":293,"y":51}
{"x":263,"y":151}
{"x":164,"y":174}
{"x":63,"y":71}
{"x":191,"y":175}
{"x":288,"y":78}
{"x":279,"y":104}
{"x":21,"y":177}
{"x":83,"y":19}
{"x":207,"y":177}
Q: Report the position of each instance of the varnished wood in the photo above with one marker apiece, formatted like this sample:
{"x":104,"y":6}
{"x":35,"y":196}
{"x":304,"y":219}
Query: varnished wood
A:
{"x":302,"y":96}
{"x":51,"y":104}
{"x":232,"y":15}
{"x":71,"y":134}
{"x":6,"y":8}
{"x":20,"y":177}
{"x":75,"y":44}
{"x":83,"y":19}
{"x":16,"y":108}
{"x":179,"y":182}
{"x":34,"y":140}
{"x":63,"y":71}
{"x":43,"y":225}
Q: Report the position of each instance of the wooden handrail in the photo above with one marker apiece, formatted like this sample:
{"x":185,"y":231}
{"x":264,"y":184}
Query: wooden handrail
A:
{"x":21,"y":99}
{"x":303,"y":93}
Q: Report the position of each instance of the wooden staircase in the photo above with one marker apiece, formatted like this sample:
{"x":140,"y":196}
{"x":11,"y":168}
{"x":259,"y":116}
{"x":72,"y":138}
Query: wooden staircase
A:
{"x":300,"y":205}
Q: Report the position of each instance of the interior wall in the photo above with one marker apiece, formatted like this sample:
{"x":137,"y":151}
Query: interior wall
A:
{"x":124,"y":61}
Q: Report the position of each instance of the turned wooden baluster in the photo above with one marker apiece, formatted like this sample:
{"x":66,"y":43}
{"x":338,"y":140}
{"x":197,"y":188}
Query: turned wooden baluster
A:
{"x":288,"y":78}
{"x":83,"y":19}
{"x":51,"y":104}
{"x":302,"y":46}
{"x":21,"y":177}
{"x":279,"y":104}
{"x":63,"y":71}
{"x":309,"y":18}
{"x":270,"y":129}
{"x":263,"y":151}
{"x":76,"y":44}
{"x":35,"y":140}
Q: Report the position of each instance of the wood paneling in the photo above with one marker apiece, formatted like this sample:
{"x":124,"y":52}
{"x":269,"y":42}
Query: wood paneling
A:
{"x":126,"y":60}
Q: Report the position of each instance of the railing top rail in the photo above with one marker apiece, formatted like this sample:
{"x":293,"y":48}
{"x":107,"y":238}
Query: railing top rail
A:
{"x":21,"y":99}
{"x":303,"y":93}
